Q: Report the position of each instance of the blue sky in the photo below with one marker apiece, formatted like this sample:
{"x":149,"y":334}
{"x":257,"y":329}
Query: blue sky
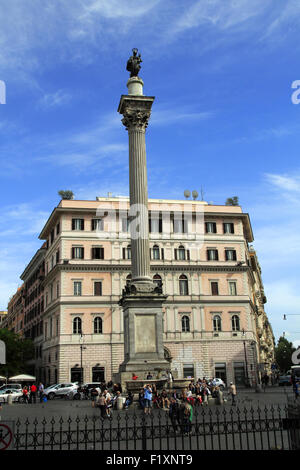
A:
{"x":223,"y":118}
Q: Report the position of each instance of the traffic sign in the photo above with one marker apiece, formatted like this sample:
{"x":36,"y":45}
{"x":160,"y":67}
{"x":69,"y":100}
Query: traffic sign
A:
{"x":7,"y":435}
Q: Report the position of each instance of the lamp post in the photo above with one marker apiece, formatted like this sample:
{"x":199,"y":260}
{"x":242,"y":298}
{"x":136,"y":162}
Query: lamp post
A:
{"x":257,"y":380}
{"x":81,"y":349}
{"x":246,"y":363}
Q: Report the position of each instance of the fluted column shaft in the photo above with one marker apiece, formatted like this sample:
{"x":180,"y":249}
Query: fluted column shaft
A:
{"x":139,"y":228}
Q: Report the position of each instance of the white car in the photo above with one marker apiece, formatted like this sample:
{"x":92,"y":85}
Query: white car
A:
{"x":17,"y":395}
{"x":59,"y":390}
{"x":217,"y":382}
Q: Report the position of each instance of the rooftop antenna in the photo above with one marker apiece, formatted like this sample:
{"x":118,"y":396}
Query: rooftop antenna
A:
{"x":202,"y":194}
{"x":187,"y":193}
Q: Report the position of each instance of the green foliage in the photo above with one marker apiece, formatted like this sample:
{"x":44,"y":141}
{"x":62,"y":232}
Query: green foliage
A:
{"x":66,"y":194}
{"x":18,"y":352}
{"x":283,"y":354}
{"x":232,"y":201}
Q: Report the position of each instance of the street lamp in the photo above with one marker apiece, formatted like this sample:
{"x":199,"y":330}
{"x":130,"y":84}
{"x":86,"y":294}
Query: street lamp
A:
{"x":257,"y":379}
{"x":81,"y":349}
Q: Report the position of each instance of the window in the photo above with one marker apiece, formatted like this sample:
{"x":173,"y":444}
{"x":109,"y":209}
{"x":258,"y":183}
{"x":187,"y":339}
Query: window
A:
{"x":51,"y":292}
{"x":98,"y":225}
{"x":98,"y":325}
{"x":235,"y":323}
{"x":52,"y":236}
{"x":214,"y":288}
{"x":57,"y":326}
{"x":232,"y":288}
{"x":220,"y":371}
{"x":212,"y":254}
{"x":230,"y":255}
{"x":228,"y":227}
{"x":125,"y":225}
{"x":77,"y":224}
{"x":77,"y":326}
{"x":57,"y":228}
{"x":98,"y":252}
{"x":77,"y":288}
{"x":155,"y":224}
{"x":185,"y":324}
{"x":57,"y":256}
{"x":128,"y":279}
{"x":182,"y":254}
{"x":183,"y":285}
{"x":77,"y":252}
{"x":217,"y":324}
{"x":180,"y":224}
{"x":127,"y":252}
{"x":98,"y":288}
{"x":155,"y":252}
{"x":98,"y":374}
{"x":211,"y":227}
{"x":188,"y":370}
{"x":157,"y":280}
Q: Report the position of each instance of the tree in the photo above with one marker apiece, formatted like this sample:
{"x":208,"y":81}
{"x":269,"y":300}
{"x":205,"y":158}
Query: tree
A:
{"x":232,"y":201}
{"x":67,"y":194}
{"x":283,"y":354}
{"x":18,"y":352}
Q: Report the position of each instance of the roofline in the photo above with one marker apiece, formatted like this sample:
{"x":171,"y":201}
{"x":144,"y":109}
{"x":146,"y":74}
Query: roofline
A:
{"x":38,"y":253}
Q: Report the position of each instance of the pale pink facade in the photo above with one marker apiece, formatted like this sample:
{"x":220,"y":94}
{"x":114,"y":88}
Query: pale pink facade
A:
{"x":86,"y":271}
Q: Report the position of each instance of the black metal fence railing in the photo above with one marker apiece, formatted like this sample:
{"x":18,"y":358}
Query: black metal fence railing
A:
{"x":210,"y":429}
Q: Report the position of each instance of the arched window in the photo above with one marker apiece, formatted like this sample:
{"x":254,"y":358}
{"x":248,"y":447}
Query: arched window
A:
{"x":183,"y":285}
{"x":157,"y":280}
{"x":217,"y":324}
{"x":235,"y":322}
{"x":155,"y":252}
{"x":181,"y":253}
{"x":98,"y":325}
{"x":185,"y":324}
{"x":128,"y":279}
{"x":77,"y":323}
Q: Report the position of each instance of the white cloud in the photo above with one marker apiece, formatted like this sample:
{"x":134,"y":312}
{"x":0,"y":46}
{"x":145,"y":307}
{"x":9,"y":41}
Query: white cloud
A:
{"x":51,"y":100}
{"x":285,"y":182}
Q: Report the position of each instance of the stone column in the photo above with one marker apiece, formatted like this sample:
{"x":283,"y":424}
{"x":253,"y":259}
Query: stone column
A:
{"x":136,"y":109}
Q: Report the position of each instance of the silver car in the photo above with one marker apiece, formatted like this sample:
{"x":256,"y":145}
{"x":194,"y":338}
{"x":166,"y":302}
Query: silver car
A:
{"x":59,"y":390}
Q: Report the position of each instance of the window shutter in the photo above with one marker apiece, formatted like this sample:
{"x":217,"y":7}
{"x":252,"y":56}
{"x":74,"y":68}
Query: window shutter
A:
{"x":234,"y":255}
{"x":226,"y":255}
{"x":101,"y":253}
{"x":224,"y":228}
{"x":207,"y":255}
{"x":232,"y":228}
{"x":82,"y":253}
{"x":73,"y":224}
{"x":124,"y":253}
{"x":217,"y":255}
{"x":73,"y":252}
{"x":150,"y":253}
{"x":82,"y":224}
{"x":188,"y":254}
{"x":160,"y":226}
{"x":162,"y":253}
{"x":206,"y":227}
{"x":175,"y":252}
{"x":214,"y":227}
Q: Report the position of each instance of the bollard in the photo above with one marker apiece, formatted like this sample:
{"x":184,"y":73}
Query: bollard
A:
{"x":120,"y":403}
{"x":9,"y":399}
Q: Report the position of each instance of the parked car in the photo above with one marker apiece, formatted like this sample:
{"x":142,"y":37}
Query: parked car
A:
{"x":75,"y":394}
{"x":59,"y":390}
{"x":219,"y":383}
{"x":16,"y":393}
{"x":11,"y":387}
{"x":285,"y":379}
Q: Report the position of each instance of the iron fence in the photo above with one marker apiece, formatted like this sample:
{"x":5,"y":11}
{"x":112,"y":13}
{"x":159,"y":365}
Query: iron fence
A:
{"x":221,"y":428}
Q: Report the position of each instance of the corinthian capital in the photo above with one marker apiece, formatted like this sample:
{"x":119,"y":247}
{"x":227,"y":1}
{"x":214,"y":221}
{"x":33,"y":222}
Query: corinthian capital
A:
{"x":136,"y":118}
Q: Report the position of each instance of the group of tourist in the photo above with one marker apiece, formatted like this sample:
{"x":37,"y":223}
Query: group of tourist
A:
{"x":29,"y":393}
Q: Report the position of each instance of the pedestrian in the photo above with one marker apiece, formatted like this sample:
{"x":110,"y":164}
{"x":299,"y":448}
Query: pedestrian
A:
{"x":25,"y":394}
{"x":141,"y":399}
{"x":232,"y":391}
{"x":148,"y":399}
{"x":187,"y":418}
{"x":128,"y":401}
{"x":94,"y":395}
{"x":174,"y":414}
{"x":165,"y":399}
{"x":102,"y":406}
{"x":33,"y":391}
{"x":149,"y":376}
{"x":134,"y":377}
{"x":41,"y":392}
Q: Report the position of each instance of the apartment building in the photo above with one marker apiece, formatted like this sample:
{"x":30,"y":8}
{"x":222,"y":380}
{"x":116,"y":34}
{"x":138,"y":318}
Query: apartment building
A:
{"x":14,"y":320}
{"x":3,"y":314}
{"x":214,"y":320}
